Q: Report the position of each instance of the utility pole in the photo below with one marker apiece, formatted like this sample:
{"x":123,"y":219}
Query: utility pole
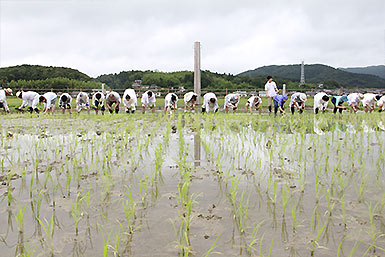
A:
{"x":197,"y":70}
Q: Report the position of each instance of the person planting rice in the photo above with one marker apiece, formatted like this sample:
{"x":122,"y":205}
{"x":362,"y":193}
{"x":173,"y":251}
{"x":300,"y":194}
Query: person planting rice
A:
{"x":30,"y":99}
{"x":271,"y":91}
{"x":113,"y":101}
{"x":279,"y":102}
{"x":354,"y":101}
{"x":255,"y":101}
{"x":231,"y":101}
{"x":381,"y":104}
{"x":65,"y":102}
{"x":148,"y":100}
{"x":210,"y":99}
{"x":3,"y":102}
{"x":321,"y":101}
{"x":190,"y":99}
{"x":170,"y":102}
{"x":338,"y":102}
{"x":130,"y":100}
{"x":49,"y":100}
{"x":82,"y":102}
{"x":98,"y":102}
{"x":297,"y":101}
{"x":369,"y":101}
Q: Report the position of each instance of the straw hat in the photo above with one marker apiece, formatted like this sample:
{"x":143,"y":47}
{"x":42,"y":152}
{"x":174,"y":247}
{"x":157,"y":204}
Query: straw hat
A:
{"x":9,"y":91}
{"x":361,"y":96}
{"x":302,"y":97}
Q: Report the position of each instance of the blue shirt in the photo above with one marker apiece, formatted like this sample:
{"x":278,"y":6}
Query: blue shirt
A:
{"x":341,"y":99}
{"x":280,"y":99}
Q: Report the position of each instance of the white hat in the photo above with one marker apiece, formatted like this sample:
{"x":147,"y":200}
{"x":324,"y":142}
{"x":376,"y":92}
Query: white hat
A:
{"x":361,"y":96}
{"x":8,"y":90}
{"x":18,"y":93}
{"x":302,"y":97}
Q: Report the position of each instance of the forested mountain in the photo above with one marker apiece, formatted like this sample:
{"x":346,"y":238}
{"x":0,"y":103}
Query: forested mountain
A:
{"x":37,"y":72}
{"x":41,"y":77}
{"x":378,"y":70}
{"x":318,"y":73}
{"x":209,"y":80}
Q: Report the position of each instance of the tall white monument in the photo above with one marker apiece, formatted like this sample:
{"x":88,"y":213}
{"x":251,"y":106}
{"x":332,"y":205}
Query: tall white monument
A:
{"x":197,"y":70}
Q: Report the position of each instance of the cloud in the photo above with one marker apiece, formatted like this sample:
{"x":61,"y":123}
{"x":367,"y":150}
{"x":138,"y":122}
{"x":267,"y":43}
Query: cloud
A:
{"x":99,"y":37}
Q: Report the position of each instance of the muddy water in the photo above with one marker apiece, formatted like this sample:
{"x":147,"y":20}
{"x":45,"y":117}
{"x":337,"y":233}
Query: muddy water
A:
{"x":320,"y":167}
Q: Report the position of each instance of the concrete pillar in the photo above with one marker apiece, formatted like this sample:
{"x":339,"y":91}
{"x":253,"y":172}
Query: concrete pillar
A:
{"x":197,"y":70}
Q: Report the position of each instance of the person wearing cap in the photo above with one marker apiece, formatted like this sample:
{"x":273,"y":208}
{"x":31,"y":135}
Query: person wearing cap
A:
{"x":271,"y":91}
{"x":279,"y":102}
{"x":82,"y":102}
{"x":231,"y":101}
{"x":297,"y":100}
{"x":190,"y":100}
{"x":30,"y":99}
{"x":369,"y":101}
{"x":354,"y":100}
{"x":321,"y":101}
{"x":170,"y":102}
{"x":381,"y":104}
{"x":338,"y":102}
{"x":255,"y":101}
{"x":3,"y":102}
{"x":65,"y":102}
{"x":113,"y":101}
{"x":210,"y":99}
{"x":148,"y":100}
{"x":130,"y":100}
{"x":49,"y":100}
{"x":98,"y":102}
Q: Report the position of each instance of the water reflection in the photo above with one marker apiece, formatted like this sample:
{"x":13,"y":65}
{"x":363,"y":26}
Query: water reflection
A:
{"x":197,"y":150}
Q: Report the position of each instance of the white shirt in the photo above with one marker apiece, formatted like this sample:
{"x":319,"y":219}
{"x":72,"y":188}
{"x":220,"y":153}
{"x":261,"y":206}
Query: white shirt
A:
{"x":232,"y":100}
{"x":49,"y":96}
{"x":251,"y":100}
{"x":382,"y":102}
{"x":271,"y":88}
{"x":187,"y":97}
{"x":369,"y":99}
{"x":133,"y":100}
{"x":169,"y":102}
{"x":100,"y":100}
{"x":206,"y":101}
{"x":116,"y":97}
{"x":30,"y":98}
{"x":319,"y":102}
{"x":3,"y":101}
{"x":82,"y":98}
{"x":69,"y":99}
{"x":148,"y":100}
{"x":353,"y":99}
{"x":296,"y":98}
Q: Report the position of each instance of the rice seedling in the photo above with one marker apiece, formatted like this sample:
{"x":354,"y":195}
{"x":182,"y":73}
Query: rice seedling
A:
{"x":76,"y":212}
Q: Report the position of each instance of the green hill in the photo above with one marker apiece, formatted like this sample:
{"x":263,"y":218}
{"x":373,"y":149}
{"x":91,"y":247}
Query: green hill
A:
{"x":378,"y":70}
{"x":318,"y":73}
{"x":37,"y":72}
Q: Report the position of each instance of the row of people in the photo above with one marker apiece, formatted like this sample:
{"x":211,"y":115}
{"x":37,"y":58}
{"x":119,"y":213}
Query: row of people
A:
{"x":353,"y":100}
{"x":112,"y":101}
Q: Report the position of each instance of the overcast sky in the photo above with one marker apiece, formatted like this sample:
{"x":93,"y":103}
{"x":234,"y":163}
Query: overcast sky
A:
{"x":99,"y":37}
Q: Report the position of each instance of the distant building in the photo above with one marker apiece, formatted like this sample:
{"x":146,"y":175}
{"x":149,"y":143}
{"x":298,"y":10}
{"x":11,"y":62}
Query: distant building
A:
{"x":262,"y":93}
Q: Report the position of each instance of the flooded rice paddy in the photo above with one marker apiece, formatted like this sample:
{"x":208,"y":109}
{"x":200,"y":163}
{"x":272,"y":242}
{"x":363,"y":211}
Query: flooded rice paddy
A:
{"x":192,"y":185}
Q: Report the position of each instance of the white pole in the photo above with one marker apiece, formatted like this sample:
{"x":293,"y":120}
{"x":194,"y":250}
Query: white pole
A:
{"x":197,"y":70}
